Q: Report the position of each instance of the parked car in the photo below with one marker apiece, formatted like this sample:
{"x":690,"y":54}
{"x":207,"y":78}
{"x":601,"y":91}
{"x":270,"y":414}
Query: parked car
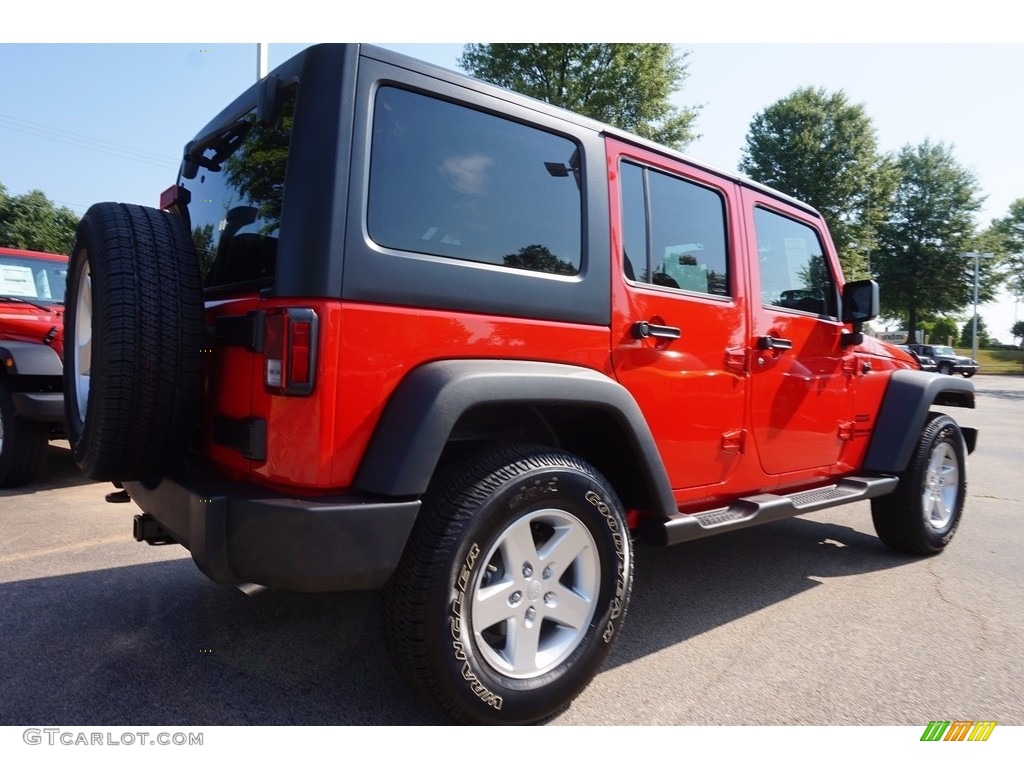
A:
{"x":926,"y":363}
{"x":947,"y":361}
{"x":31,"y":347}
{"x":395,"y":327}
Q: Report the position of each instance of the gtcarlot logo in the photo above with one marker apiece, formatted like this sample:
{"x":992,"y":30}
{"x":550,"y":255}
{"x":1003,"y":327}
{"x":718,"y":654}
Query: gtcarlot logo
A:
{"x":68,"y":738}
{"x":958,"y":730}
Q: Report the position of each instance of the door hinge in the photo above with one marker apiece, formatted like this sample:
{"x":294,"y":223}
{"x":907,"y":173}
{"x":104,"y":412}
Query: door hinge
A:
{"x":733,"y":441}
{"x":736,"y":359}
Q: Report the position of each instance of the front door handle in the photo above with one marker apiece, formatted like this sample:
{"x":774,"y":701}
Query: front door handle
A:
{"x":771,"y":342}
{"x":645,"y":330}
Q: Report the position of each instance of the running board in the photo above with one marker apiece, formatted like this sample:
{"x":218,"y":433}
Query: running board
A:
{"x":762,"y":508}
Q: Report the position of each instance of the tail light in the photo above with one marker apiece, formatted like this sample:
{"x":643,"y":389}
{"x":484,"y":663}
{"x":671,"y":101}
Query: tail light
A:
{"x":289,"y":350}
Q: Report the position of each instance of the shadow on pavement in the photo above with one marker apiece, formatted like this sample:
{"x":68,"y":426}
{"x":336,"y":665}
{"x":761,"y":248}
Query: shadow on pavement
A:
{"x":159,"y":644}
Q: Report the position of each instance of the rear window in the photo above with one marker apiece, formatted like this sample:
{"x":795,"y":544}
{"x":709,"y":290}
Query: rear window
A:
{"x":451,"y":181}
{"x":236,"y":196}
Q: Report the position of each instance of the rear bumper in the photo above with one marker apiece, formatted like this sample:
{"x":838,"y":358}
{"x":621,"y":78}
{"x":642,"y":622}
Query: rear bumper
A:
{"x":240,"y":532}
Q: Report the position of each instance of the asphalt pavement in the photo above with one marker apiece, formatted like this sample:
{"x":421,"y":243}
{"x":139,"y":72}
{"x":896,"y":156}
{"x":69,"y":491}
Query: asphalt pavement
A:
{"x":807,"y":621}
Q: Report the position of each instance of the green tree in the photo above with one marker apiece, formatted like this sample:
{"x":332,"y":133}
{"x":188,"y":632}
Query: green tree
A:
{"x":919,"y":265}
{"x":627,"y":85}
{"x":820,"y":148}
{"x":942,"y":331}
{"x":1017,"y":331}
{"x":1009,"y":234}
{"x":32,"y":222}
{"x":967,"y":334}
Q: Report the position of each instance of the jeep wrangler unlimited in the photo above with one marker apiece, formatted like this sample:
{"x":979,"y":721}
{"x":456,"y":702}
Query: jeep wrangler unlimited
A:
{"x":395,"y":327}
{"x":31,"y":350}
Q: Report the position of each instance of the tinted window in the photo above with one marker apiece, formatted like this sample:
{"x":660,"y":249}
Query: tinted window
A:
{"x":236,"y":196}
{"x":673,"y":232}
{"x":794,"y":270}
{"x":451,"y":181}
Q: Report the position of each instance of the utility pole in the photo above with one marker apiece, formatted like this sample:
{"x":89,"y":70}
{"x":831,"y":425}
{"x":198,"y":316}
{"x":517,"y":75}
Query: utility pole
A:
{"x":262,"y":60}
{"x":977,"y":261}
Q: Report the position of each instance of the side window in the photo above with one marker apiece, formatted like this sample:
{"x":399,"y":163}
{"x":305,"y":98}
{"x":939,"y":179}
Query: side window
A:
{"x":451,"y":181}
{"x":673,"y":232}
{"x":794,"y":270}
{"x":236,"y":197}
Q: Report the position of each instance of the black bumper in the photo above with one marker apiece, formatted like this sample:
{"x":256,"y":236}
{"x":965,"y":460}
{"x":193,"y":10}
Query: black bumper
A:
{"x":244,"y":533}
{"x":39,"y":406}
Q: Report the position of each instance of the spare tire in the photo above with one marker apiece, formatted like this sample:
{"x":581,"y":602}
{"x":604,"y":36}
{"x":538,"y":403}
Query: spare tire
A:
{"x":133,"y":342}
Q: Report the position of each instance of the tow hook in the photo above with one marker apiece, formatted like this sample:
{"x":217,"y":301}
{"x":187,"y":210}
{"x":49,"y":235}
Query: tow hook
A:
{"x":146,"y":528}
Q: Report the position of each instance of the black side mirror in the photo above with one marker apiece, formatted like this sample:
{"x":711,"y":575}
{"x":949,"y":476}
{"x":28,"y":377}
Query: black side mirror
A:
{"x":860,"y":304}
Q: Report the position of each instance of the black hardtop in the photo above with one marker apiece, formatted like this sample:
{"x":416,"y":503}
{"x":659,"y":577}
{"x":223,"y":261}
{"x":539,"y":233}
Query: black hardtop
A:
{"x":341,"y":54}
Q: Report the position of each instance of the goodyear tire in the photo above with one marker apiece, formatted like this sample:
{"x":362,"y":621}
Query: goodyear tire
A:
{"x":133,"y":330}
{"x":922,"y":515}
{"x":513,"y":586}
{"x":22,"y":444}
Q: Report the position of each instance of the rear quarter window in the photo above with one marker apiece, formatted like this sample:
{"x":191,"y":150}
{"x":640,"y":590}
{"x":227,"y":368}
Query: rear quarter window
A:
{"x":451,"y":181}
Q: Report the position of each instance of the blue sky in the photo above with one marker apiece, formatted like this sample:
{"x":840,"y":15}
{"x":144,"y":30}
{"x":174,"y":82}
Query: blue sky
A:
{"x":90,"y":121}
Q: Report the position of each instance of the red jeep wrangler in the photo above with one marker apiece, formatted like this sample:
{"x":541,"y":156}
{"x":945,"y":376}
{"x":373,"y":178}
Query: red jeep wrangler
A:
{"x":399,"y":328}
{"x":31,"y":348}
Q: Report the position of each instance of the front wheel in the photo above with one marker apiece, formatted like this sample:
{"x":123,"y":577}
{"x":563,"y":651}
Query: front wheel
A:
{"x":513,"y":586}
{"x":22,"y":444}
{"x":922,"y":515}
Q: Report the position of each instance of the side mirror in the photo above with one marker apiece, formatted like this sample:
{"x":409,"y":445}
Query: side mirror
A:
{"x":860,"y":302}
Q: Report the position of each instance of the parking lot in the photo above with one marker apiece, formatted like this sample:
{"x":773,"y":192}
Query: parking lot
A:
{"x":807,"y":621}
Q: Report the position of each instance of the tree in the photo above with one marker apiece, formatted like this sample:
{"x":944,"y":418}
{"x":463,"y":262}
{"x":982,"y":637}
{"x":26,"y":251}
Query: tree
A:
{"x":627,"y":85}
{"x":1009,"y":232}
{"x":823,"y":150}
{"x":33,"y":223}
{"x":1017,"y":331}
{"x":967,"y":334}
{"x":918,"y":264}
{"x":942,"y":331}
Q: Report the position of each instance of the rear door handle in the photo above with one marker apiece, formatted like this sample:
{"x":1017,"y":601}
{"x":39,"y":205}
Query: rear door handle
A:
{"x":645,"y":330}
{"x":770,"y":342}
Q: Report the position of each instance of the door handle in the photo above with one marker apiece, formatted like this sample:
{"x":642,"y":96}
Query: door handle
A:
{"x":770,"y":342}
{"x":645,"y":330}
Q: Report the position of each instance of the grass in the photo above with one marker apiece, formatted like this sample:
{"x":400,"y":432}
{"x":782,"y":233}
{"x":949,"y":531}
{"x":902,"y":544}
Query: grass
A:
{"x":1005,"y":361}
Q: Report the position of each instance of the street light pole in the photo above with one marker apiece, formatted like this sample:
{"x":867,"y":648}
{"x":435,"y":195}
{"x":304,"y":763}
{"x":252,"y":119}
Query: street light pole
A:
{"x":977,"y":261}
{"x":262,"y":60}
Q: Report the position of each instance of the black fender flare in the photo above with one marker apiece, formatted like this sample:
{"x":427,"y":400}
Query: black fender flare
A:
{"x":28,"y":359}
{"x":908,"y":398}
{"x":426,"y":405}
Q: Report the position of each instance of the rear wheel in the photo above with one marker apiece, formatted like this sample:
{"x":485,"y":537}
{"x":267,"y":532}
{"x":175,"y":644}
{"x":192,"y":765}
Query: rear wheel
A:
{"x":513,"y":586}
{"x":133,"y":338}
{"x":922,"y":515}
{"x":946,"y":369}
{"x":22,"y":444}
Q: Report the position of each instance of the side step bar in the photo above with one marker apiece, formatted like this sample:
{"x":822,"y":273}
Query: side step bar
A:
{"x":762,"y":508}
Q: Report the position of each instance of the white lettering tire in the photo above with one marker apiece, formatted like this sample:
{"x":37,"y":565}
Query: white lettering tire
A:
{"x":513,"y":586}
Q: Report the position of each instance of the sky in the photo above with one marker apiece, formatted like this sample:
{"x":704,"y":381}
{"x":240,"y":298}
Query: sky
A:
{"x":87,"y":116}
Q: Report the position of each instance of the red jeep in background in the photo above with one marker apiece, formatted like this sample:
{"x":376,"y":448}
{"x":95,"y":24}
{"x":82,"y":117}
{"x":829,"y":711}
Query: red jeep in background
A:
{"x":31,"y":351}
{"x":395,"y":327}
